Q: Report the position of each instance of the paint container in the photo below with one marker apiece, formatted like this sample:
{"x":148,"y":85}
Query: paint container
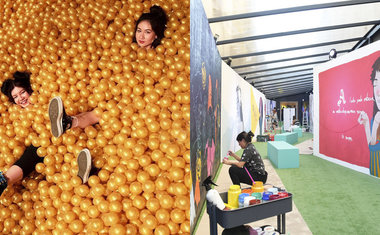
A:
{"x":233,"y":196}
{"x":283,"y":194}
{"x":254,"y":202}
{"x":257,"y":195}
{"x":258,"y":187}
{"x":247,"y":190}
{"x":266,"y":196}
{"x":247,"y":199}
{"x":274,"y":191}
{"x":269,"y":230}
{"x":274,"y":197}
{"x":241,"y":199}
{"x":267,"y":186}
{"x":258,"y":230}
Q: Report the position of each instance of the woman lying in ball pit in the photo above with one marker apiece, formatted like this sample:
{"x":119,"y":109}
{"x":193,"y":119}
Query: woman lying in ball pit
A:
{"x":149,"y":31}
{"x":18,"y":90}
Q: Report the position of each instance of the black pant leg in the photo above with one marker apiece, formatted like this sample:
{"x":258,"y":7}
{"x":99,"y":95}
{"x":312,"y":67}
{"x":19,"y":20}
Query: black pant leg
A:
{"x":259,"y":177}
{"x":239,"y":175}
{"x":28,"y":160}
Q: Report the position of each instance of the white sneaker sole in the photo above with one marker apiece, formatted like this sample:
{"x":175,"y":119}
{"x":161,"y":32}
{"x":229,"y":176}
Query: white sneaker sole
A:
{"x":55,"y":115}
{"x":84,"y":164}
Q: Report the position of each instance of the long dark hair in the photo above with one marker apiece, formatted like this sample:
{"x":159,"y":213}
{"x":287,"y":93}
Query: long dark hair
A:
{"x":375,"y":68}
{"x":20,"y":79}
{"x":245,"y":136}
{"x":157,"y":19}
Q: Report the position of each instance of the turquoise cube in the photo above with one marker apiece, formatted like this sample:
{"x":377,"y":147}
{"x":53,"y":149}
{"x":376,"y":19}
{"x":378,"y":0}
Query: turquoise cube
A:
{"x":289,"y":137}
{"x":298,"y":130}
{"x":283,"y":155}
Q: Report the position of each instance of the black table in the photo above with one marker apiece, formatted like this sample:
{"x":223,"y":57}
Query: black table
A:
{"x":240,"y":216}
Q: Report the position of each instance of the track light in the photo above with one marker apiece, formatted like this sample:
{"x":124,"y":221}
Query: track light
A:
{"x":332,"y":54}
{"x":216,"y":36}
{"x":229,"y":61}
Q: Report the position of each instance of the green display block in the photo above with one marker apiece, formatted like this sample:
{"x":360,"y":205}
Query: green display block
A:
{"x":290,"y":137}
{"x":283,"y":155}
{"x":298,"y":130}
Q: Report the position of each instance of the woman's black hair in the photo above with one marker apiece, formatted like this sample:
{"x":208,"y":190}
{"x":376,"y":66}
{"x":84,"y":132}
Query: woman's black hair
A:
{"x":245,"y":136}
{"x":20,"y":79}
{"x":157,"y":19}
{"x":375,"y":68}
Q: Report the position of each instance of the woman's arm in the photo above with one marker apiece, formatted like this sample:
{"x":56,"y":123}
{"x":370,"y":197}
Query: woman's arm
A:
{"x":375,"y":126}
{"x":230,"y":153}
{"x":373,"y":136}
{"x":364,"y":120}
{"x":231,"y":162}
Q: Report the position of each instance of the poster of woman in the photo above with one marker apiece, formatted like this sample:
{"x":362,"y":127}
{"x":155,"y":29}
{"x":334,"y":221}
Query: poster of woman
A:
{"x":346,"y":115}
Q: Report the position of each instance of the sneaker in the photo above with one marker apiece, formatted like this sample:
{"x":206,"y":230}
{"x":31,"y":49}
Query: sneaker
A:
{"x":3,"y":183}
{"x":84,"y":164}
{"x":59,"y":121}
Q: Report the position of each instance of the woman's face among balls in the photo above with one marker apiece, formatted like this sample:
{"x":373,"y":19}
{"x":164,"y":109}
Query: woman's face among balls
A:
{"x":20,"y":96}
{"x":145,"y":34}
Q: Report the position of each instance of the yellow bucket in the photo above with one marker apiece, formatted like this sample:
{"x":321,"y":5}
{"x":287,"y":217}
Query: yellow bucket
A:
{"x":233,"y":196}
{"x":258,"y":187}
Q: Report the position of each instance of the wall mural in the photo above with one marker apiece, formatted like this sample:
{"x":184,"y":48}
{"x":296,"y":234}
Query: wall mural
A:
{"x":349,"y":116}
{"x":241,"y":109}
{"x":255,"y":114}
{"x":205,"y":117}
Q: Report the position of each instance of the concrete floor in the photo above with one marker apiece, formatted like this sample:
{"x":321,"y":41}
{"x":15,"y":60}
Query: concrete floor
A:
{"x":295,"y":224}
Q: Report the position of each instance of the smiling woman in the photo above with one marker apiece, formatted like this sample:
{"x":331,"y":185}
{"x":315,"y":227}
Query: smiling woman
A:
{"x":150,"y":28}
{"x":18,"y":90}
{"x":21,"y":96}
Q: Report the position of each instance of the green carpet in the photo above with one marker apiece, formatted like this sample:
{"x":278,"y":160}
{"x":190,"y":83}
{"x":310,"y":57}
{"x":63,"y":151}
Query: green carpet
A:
{"x":331,"y":198}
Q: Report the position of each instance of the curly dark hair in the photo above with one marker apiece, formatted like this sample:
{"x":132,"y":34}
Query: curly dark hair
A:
{"x":157,"y":19}
{"x":20,"y":79}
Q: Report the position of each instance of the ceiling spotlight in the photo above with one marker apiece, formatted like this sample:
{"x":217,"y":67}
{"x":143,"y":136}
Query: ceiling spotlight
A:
{"x":229,"y":61}
{"x":216,"y":36}
{"x":332,"y":54}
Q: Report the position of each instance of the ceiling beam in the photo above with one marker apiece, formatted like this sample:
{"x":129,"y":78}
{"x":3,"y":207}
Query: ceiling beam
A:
{"x":292,"y":48}
{"x":263,"y":83}
{"x":288,"y":87}
{"x":284,"y":60}
{"x":284,"y":67}
{"x":288,"y":90}
{"x":278,"y":89}
{"x":282,"y":73}
{"x":286,"y":83}
{"x":289,"y":10}
{"x":287,"y":94}
{"x":300,"y":31}
{"x":272,"y":93}
{"x":295,"y":76}
{"x":367,"y":37}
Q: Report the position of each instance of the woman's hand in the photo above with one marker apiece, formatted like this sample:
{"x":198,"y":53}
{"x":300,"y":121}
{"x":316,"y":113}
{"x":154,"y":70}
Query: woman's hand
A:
{"x":377,"y":117}
{"x":363,"y":117}
{"x":226,"y":161}
{"x":230,"y":153}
